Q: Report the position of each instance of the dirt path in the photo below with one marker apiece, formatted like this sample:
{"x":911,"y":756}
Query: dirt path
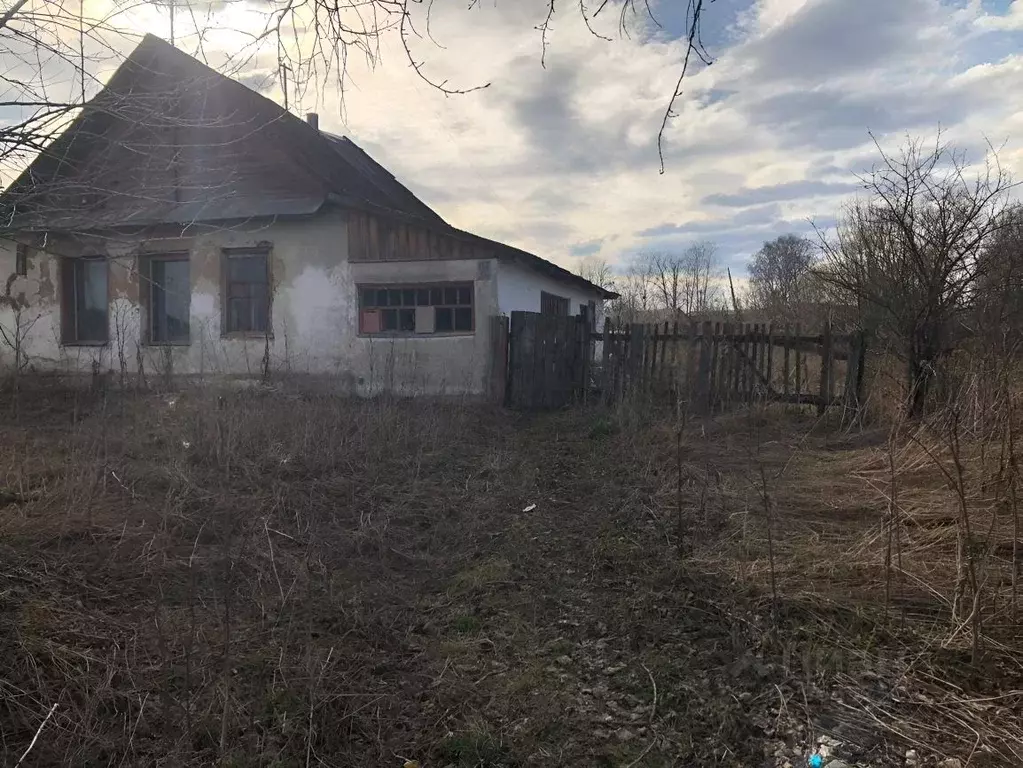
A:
{"x":580,"y":633}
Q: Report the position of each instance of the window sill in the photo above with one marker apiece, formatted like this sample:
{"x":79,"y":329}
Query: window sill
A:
{"x":247,"y":335}
{"x":169,"y":343}
{"x":406,"y":335}
{"x":85,"y":343}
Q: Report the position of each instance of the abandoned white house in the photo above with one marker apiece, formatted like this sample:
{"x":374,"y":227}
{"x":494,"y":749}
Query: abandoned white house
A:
{"x":185,"y":224}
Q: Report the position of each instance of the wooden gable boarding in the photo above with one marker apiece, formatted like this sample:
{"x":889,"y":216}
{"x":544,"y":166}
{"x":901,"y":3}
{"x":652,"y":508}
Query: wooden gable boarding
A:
{"x":376,"y":238}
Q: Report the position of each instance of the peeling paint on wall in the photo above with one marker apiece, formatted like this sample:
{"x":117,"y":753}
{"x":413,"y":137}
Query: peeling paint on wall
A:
{"x":314,"y":312}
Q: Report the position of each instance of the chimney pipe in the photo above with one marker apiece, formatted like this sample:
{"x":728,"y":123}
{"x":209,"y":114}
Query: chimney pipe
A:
{"x":313,"y":119}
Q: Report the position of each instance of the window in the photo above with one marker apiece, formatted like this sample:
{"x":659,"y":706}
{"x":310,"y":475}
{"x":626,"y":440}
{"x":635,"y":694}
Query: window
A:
{"x":168,"y":298}
{"x":550,"y":304}
{"x":416,"y":309}
{"x":21,"y":259}
{"x":83,"y":305}
{"x":246,"y":291}
{"x":588,"y":312}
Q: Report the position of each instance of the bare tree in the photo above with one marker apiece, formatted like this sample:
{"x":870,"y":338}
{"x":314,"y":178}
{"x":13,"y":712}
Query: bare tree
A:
{"x":999,"y":294}
{"x":51,"y":52}
{"x":598,"y":272}
{"x":634,"y":287}
{"x":909,"y":253}
{"x":682,"y":282}
{"x":781,"y":280}
{"x":16,"y":323}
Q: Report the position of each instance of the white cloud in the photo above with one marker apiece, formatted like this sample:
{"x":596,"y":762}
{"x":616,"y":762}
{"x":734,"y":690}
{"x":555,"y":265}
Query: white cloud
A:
{"x":553,"y":158}
{"x":1012,"y":19}
{"x":564,"y":156}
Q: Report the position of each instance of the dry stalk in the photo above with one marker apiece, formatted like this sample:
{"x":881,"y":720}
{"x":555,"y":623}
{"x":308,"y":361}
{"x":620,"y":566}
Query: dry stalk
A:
{"x":36,"y":737}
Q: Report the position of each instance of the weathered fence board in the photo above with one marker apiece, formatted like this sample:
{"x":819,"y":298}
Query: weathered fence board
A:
{"x":709,"y":365}
{"x":719,"y":364}
{"x":548,"y":360}
{"x":498,"y":378}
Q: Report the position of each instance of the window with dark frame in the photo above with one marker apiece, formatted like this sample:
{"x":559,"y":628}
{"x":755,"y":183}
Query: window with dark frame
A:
{"x":21,"y":260}
{"x":168,"y":295}
{"x":84,"y":305}
{"x":416,"y":309}
{"x":246,"y":291}
{"x":552,"y":304}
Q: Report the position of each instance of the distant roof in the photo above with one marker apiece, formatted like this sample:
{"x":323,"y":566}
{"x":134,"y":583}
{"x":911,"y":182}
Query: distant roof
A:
{"x":245,"y":157}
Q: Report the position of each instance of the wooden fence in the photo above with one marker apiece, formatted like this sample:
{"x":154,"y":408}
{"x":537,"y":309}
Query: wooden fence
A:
{"x":548,"y":360}
{"x":716,"y":364}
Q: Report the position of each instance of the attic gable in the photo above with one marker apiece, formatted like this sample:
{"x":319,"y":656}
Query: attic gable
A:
{"x":171,"y":140}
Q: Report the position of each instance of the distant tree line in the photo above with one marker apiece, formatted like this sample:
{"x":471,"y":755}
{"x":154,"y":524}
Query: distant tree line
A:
{"x":927,"y":258}
{"x":663,"y":285}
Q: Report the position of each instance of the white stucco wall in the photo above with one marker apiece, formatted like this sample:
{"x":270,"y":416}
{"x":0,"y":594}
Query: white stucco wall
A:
{"x":519,"y":289}
{"x":314,"y":314}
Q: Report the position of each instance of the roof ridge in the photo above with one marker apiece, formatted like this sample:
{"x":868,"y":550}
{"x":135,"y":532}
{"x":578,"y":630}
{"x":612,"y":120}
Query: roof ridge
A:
{"x":337,"y":166}
{"x":351,"y":174}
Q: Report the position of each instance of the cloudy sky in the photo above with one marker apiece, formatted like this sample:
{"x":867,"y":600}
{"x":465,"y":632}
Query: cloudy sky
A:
{"x":562,"y":159}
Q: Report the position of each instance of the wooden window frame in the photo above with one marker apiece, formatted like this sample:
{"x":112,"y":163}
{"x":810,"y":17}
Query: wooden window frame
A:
{"x":146,"y":295}
{"x":21,"y":260}
{"x":553,"y":304}
{"x":226,"y":254}
{"x":69,"y":303}
{"x":362,"y":288}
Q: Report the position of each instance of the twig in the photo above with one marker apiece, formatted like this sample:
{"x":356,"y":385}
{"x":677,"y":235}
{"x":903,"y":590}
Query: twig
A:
{"x":273,"y":562}
{"x":131,"y":736}
{"x":653,"y":683}
{"x":312,"y":703}
{"x":643,"y":753}
{"x":36,"y":737}
{"x":692,"y":44}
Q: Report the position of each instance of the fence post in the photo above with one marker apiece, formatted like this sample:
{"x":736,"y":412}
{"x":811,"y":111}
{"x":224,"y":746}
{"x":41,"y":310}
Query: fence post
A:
{"x":752,"y":360}
{"x":741,"y":360}
{"x":692,"y":361}
{"x":520,"y":367}
{"x":854,"y":370}
{"x":584,"y":350}
{"x":499,"y":359}
{"x":861,"y":365}
{"x":636,"y":349}
{"x":673,"y":377}
{"x":714,"y":383}
{"x":785,"y":361}
{"x":605,"y":368}
{"x":799,"y":363}
{"x":652,"y":354}
{"x":826,"y":372}
{"x":703,"y":376}
{"x":727,"y":359}
{"x":664,"y":356}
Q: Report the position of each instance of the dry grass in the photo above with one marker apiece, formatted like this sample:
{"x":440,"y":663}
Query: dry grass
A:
{"x":272,"y":579}
{"x":880,"y":626}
